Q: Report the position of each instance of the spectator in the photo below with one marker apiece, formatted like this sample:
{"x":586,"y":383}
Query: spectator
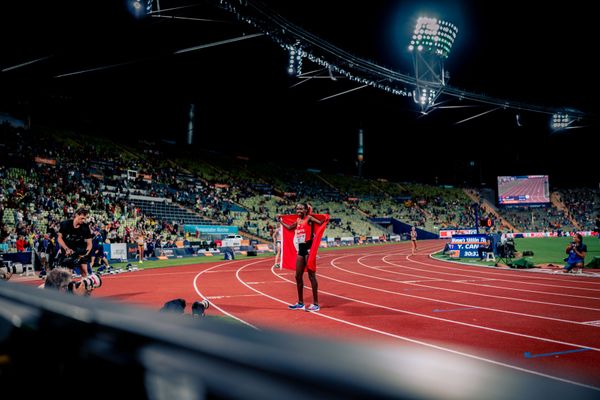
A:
{"x":21,"y":243}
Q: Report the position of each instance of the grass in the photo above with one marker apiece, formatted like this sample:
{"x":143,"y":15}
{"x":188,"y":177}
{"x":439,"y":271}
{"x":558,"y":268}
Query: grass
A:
{"x":173,"y":262}
{"x":552,"y":250}
{"x":545,"y":251}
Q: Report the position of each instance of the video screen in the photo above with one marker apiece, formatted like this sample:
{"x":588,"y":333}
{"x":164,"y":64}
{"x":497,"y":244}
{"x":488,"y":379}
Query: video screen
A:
{"x":527,"y":189}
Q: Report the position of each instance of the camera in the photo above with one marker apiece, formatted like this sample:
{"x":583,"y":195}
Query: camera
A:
{"x":89,"y":282}
{"x":12,"y":269}
{"x":199,"y":307}
{"x":72,"y":261}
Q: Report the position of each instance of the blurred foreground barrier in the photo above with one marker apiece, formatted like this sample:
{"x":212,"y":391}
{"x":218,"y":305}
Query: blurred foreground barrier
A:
{"x":54,"y":344}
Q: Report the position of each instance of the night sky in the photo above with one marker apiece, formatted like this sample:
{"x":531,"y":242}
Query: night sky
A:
{"x":245,"y":103}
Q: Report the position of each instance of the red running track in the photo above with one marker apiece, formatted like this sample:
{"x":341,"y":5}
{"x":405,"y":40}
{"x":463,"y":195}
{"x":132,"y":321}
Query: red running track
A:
{"x":537,"y":323}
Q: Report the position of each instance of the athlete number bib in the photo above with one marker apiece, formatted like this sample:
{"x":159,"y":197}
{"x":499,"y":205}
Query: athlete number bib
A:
{"x":300,"y":237}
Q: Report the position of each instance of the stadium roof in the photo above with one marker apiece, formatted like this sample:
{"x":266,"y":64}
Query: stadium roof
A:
{"x":96,"y":66}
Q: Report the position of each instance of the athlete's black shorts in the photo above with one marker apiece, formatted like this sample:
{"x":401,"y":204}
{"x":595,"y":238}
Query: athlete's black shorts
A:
{"x":304,"y":248}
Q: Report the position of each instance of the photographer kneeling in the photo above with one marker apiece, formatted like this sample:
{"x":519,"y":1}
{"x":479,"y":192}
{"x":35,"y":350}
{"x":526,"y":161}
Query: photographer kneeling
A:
{"x":61,"y":279}
{"x":576,"y":251}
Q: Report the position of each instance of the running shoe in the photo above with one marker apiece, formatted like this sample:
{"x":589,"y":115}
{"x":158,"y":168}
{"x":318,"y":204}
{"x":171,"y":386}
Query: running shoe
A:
{"x":297,"y":306}
{"x":313,"y":308}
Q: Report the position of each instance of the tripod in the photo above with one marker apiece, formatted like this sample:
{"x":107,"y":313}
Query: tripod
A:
{"x":505,"y":254}
{"x":506,"y":260}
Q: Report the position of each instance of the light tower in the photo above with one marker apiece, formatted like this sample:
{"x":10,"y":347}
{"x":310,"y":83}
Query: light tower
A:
{"x":190,"y":131}
{"x":360,"y":152}
{"x":430,"y":45}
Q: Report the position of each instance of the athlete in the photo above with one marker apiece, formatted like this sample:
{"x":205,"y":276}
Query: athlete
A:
{"x":303,"y":234}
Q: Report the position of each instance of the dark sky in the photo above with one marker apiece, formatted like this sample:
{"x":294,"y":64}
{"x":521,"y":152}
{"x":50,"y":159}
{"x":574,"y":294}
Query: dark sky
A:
{"x":245,"y":103}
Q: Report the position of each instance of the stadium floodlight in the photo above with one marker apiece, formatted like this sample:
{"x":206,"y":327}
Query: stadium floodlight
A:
{"x":560,"y":121}
{"x":430,"y":45}
{"x":140,"y":8}
{"x":295,"y":61}
{"x":433,"y":36}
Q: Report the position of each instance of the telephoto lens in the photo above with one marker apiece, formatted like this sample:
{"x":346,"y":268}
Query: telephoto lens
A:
{"x":199,"y":307}
{"x":92,"y":282}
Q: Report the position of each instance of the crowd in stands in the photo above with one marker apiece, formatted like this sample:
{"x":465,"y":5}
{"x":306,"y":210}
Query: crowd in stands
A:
{"x":583,"y":205}
{"x":537,"y":219}
{"x":45,"y":176}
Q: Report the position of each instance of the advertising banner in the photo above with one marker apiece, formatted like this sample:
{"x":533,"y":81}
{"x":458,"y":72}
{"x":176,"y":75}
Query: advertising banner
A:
{"x":118,"y":251}
{"x":466,"y":245}
{"x":210,"y":229}
{"x":448,"y":233}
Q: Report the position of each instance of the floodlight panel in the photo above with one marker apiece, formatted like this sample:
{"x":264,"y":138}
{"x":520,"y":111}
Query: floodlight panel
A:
{"x":434,"y":36}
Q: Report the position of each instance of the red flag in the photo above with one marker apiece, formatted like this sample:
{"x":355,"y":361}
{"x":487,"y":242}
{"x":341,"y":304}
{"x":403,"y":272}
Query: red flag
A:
{"x":288,"y":250}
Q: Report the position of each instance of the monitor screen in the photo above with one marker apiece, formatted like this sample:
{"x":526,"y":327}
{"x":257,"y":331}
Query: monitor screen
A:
{"x":526,"y":189}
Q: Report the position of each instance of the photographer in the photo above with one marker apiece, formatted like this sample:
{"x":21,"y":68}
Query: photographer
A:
{"x":75,"y":240}
{"x":576,"y":251}
{"x":61,"y":279}
{"x":506,"y":247}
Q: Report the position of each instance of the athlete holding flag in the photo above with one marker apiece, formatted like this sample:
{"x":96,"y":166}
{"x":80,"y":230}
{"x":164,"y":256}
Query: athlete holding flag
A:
{"x":300,"y":229}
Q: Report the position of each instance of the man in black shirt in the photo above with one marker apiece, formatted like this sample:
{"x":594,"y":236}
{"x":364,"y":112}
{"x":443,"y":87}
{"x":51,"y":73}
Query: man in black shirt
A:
{"x":75,"y":240}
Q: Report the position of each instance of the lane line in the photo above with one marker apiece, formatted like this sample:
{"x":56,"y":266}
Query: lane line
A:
{"x":455,"y":309}
{"x":556,"y":353}
{"x":427,"y":287}
{"x":448,"y":320}
{"x":449,"y":350}
{"x":463,"y":291}
{"x":555,"y":293}
{"x":422,"y":343}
